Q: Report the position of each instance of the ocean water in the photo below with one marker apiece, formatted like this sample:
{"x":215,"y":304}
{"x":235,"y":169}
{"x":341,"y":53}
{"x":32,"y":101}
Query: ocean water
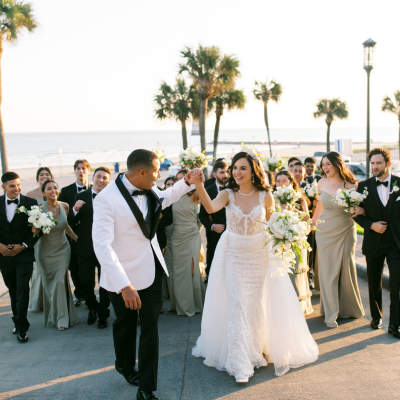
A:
{"x":34,"y":149}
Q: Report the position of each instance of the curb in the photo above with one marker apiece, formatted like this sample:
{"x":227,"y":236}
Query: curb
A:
{"x":362,"y":272}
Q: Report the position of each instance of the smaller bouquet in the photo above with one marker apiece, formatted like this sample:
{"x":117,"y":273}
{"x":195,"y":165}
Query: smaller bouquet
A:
{"x":349,"y":198}
{"x":311,"y":190}
{"x":286,"y":195}
{"x":193,"y":158}
{"x":39,"y":219}
{"x":160,"y":152}
{"x":273,"y":163}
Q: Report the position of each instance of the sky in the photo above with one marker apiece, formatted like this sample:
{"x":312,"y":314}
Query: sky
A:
{"x":95,"y":65}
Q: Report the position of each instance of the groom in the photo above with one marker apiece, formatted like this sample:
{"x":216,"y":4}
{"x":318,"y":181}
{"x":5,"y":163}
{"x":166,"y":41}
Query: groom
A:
{"x":126,"y":215}
{"x":380,"y":216}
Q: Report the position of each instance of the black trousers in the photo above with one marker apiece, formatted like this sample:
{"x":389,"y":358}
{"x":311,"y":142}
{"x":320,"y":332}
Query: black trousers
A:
{"x":375,"y":265}
{"x":212,"y":241}
{"x":16,"y":276}
{"x":87,"y":278}
{"x":125,"y":326}
{"x":74,"y":269}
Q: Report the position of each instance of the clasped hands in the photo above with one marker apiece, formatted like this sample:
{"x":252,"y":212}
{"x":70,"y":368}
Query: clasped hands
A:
{"x":10,"y":250}
{"x":195,"y":176}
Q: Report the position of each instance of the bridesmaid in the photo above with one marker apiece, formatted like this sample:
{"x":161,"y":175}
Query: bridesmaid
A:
{"x":299,"y":277}
{"x":336,"y":242}
{"x":43,"y":174}
{"x":54,"y":253}
{"x":187,"y":283}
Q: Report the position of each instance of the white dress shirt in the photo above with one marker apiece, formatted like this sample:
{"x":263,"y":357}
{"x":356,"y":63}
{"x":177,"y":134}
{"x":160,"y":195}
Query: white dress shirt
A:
{"x":10,"y":208}
{"x":383,"y":191}
{"x":83,"y":186}
{"x":141,"y":201}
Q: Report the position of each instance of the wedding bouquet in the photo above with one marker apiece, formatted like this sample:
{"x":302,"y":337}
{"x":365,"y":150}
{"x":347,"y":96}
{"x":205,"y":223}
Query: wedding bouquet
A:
{"x":288,"y":233}
{"x":286,"y":195}
{"x":39,"y":219}
{"x":160,"y":152}
{"x":311,"y":190}
{"x":193,"y":158}
{"x":273,"y":163}
{"x":349,"y":198}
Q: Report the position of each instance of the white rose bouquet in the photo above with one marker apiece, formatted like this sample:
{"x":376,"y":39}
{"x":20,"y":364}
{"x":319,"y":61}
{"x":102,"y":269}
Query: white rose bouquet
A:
{"x":311,"y":190}
{"x":288,"y":233}
{"x":193,"y":158}
{"x":286,"y":195}
{"x":273,"y":163}
{"x":160,"y":152}
{"x":39,"y":219}
{"x":349,"y":198}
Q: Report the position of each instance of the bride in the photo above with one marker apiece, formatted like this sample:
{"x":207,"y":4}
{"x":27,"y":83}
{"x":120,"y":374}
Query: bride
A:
{"x":251,"y":314}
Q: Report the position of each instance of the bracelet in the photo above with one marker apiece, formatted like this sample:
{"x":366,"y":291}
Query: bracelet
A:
{"x":187,"y":183}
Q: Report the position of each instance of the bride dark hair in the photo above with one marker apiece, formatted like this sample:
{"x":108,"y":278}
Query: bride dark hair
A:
{"x":256,"y":169}
{"x":336,"y":160}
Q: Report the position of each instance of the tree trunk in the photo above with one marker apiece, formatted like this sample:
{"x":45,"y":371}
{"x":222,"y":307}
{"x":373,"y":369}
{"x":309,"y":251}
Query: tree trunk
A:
{"x":202,"y":123}
{"x":328,"y":139}
{"x":216,"y":132}
{"x":266,"y":124}
{"x":184,"y":135}
{"x":3,"y":150}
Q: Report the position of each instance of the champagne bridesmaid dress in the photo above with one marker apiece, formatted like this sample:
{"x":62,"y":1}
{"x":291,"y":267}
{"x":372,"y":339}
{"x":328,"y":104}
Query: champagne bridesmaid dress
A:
{"x":336,"y":241}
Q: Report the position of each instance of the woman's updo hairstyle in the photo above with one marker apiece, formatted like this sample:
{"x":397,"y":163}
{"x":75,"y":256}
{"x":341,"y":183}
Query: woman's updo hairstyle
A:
{"x":256,"y":169}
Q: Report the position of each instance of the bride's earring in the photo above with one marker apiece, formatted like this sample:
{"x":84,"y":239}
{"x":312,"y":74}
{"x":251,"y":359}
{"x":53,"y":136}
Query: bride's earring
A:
{"x":252,"y":178}
{"x":44,"y":198}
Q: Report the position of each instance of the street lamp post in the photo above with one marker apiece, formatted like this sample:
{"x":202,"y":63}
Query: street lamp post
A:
{"x":369,"y":47}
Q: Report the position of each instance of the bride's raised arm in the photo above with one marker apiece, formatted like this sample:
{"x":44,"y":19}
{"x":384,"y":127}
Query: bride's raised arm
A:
{"x":269,"y":204}
{"x":212,"y":206}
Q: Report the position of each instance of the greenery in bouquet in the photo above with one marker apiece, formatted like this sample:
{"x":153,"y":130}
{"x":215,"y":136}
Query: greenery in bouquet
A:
{"x":349,"y":198}
{"x":311,"y":190}
{"x":193,"y":159}
{"x":160,"y":152}
{"x":38,"y":219}
{"x":274,"y":163}
{"x":286,"y":195}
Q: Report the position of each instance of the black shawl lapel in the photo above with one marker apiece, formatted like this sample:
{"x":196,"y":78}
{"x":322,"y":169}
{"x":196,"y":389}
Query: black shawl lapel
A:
{"x":133,"y":206}
{"x":373,"y":189}
{"x":89,"y":200}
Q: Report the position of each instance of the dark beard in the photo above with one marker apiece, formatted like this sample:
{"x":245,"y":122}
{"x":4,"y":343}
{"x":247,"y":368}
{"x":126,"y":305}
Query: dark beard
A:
{"x":380,"y":173}
{"x":222,"y":183}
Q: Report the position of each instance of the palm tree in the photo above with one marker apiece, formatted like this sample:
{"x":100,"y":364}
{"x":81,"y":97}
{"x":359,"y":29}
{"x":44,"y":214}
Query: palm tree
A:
{"x":331,"y":109}
{"x":176,"y":103}
{"x":211,"y":72}
{"x":266,"y":91}
{"x":394,"y":107}
{"x":14,"y":16}
{"x":227,"y":99}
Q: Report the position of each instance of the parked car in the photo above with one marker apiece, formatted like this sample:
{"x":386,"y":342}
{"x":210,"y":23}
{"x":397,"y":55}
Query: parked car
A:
{"x":166,"y":164}
{"x":174,"y":169}
{"x":358,"y":169}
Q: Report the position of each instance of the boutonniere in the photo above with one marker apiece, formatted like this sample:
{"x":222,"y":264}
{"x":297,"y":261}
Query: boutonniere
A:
{"x":395,"y":188}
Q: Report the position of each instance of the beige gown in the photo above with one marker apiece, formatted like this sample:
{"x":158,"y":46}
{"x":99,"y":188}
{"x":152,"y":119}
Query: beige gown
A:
{"x":336,"y":241}
{"x":169,"y":264}
{"x":188,"y":290}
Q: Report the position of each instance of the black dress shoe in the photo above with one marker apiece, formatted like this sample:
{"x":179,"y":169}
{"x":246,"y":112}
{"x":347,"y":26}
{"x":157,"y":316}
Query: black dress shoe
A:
{"x":394,"y":330}
{"x":15,"y":331}
{"x":131,"y":375}
{"x":376,"y":324}
{"x":78,"y":302}
{"x":103,"y":323}
{"x":22,"y":337}
{"x":92,"y":317}
{"x":142,"y":395}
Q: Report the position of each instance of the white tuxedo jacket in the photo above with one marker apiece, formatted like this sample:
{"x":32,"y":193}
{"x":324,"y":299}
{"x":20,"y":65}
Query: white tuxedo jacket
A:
{"x":124,"y":253}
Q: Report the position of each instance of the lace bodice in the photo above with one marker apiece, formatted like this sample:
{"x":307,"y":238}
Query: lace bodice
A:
{"x":245,"y":224}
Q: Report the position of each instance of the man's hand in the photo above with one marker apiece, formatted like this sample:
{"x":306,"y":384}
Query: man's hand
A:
{"x":219,"y":228}
{"x":35,"y":230}
{"x":195,"y":176}
{"x":131,"y":298}
{"x":15,"y":249}
{"x":78,"y":205}
{"x":379,"y":227}
{"x":357,"y":210}
{"x":5,"y":250}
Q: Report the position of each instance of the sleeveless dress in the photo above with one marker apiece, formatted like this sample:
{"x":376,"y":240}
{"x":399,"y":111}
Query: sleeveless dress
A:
{"x":336,"y":241}
{"x":36,"y":293}
{"x":251,"y":313}
{"x":54,"y":253}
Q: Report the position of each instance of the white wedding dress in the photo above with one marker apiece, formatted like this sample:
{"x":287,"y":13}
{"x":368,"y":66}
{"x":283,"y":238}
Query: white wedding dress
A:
{"x":251,"y":313}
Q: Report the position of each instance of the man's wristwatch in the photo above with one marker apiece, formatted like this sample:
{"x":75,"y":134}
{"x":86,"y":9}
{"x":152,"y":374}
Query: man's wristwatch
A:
{"x":23,"y":246}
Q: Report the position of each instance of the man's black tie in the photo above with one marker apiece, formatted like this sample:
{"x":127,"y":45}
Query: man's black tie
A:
{"x":140,"y":193}
{"x":80,"y":188}
{"x":15,"y":201}
{"x":94,"y":195}
{"x":378,"y":183}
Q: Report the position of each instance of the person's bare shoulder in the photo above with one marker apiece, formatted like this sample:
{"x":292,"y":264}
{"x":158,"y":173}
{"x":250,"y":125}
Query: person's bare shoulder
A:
{"x":65,"y":205}
{"x":30,"y":195}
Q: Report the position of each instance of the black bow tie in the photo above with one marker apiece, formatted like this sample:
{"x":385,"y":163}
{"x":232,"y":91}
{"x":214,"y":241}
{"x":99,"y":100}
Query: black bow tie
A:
{"x":378,"y":183}
{"x":80,"y":188}
{"x":94,"y":195}
{"x":15,"y":201}
{"x":140,"y":193}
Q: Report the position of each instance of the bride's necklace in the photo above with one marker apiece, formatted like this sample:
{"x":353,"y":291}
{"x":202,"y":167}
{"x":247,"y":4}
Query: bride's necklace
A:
{"x":248,"y":194}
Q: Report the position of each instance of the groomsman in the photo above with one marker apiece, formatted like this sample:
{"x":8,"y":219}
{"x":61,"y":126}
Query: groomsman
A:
{"x":311,"y":165}
{"x":291,"y":162}
{"x":82,"y":214}
{"x":210,"y":181}
{"x":215,"y":224}
{"x":67,"y":195}
{"x":16,"y":250}
{"x":380,"y":216}
{"x":299,"y":171}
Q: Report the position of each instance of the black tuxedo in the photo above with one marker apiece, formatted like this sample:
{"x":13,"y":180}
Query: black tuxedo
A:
{"x":378,"y":247}
{"x":67,"y":195}
{"x":309,"y":179}
{"x":17,"y":270}
{"x":87,"y":260}
{"x":166,"y":220}
{"x":208,"y":220}
{"x":209,"y":182}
